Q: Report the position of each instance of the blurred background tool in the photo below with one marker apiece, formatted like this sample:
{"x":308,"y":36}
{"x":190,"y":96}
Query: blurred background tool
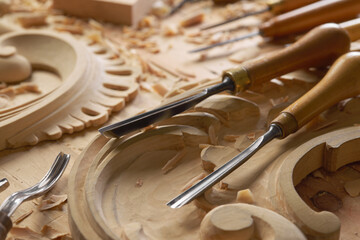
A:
{"x":300,"y":20}
{"x":341,"y":82}
{"x":320,"y":47}
{"x":10,"y":204}
{"x":274,"y":6}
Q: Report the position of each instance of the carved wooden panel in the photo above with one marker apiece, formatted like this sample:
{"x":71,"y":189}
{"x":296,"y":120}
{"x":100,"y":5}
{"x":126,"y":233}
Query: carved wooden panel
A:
{"x":78,"y":86}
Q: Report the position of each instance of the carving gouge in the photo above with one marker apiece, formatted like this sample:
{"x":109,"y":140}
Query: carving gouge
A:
{"x":274,"y":6}
{"x":11,"y":203}
{"x":341,"y":82}
{"x":300,"y":20}
{"x":320,"y":47}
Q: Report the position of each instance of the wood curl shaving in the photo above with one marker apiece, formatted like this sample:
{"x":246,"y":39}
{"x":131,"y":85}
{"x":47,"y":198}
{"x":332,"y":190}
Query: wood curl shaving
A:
{"x":171,"y":164}
{"x":23,"y":216}
{"x":52,"y":202}
{"x":192,"y":181}
{"x":21,"y":89}
{"x":193,"y":20}
{"x":51,"y":233}
{"x":28,"y":20}
{"x":73,"y":29}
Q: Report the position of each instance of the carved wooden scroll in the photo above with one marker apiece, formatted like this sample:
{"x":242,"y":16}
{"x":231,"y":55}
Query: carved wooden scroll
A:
{"x":77,"y":86}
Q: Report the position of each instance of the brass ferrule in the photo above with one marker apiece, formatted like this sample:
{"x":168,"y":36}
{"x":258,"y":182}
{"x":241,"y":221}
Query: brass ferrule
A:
{"x":274,"y":4}
{"x":287,"y":122}
{"x":240,"y":78}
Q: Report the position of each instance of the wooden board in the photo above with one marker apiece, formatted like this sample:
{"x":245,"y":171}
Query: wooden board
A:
{"x":128,"y":12}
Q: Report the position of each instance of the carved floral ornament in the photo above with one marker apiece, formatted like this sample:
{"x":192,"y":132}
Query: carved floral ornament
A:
{"x":89,"y":81}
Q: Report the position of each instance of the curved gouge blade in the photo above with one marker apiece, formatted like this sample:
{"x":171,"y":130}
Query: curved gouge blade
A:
{"x":207,"y":182}
{"x":147,"y":118}
{"x":235,"y":18}
{"x":341,"y":82}
{"x":225,"y":42}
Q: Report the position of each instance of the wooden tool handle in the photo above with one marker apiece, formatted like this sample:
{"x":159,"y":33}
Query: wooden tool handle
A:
{"x":352,"y":27}
{"x":320,"y":47}
{"x":341,"y":82}
{"x":282,"y":6}
{"x":310,"y":16}
{"x":5,"y":225}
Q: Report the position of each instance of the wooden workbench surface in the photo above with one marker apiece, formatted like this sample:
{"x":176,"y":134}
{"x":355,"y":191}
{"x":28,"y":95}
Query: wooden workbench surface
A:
{"x":25,"y":166}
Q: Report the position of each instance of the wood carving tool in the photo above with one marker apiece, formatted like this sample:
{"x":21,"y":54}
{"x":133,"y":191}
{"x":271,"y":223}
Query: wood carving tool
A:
{"x":10,"y":204}
{"x":319,"y":47}
{"x":274,"y":6}
{"x":341,"y":82}
{"x":300,"y":20}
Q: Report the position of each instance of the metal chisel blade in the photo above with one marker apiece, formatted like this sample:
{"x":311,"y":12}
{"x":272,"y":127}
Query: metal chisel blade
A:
{"x":147,"y":118}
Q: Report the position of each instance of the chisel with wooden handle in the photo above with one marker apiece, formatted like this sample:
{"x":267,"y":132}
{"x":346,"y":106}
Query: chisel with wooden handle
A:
{"x":341,"y":82}
{"x":273,"y":6}
{"x":300,"y":20}
{"x":320,"y":47}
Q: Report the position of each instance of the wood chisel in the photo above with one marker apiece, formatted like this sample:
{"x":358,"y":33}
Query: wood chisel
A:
{"x":300,"y":20}
{"x":320,"y":47}
{"x":341,"y":82}
{"x":274,"y":6}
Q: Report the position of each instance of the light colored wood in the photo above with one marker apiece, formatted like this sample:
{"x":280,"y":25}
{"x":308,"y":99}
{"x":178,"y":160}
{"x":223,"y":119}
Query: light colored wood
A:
{"x":128,"y":12}
{"x":304,"y":160}
{"x":310,"y":16}
{"x":13,"y":66}
{"x":319,"y":47}
{"x":287,"y":5}
{"x":340,"y":82}
{"x":244,"y":221}
{"x":89,"y":87}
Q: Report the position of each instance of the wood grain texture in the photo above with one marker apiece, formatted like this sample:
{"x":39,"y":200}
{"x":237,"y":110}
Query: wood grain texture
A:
{"x":309,"y":16}
{"x":340,"y":82}
{"x":128,"y":12}
{"x":91,"y":85}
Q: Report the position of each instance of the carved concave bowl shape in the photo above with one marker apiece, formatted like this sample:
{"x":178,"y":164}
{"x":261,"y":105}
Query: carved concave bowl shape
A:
{"x":78,"y":85}
{"x":118,"y":188}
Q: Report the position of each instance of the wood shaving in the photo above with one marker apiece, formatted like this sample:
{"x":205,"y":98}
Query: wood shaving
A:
{"x":32,"y":19}
{"x":3,"y":85}
{"x":22,"y":217}
{"x":230,"y":138}
{"x":203,"y":145}
{"x":160,"y":9}
{"x":4,"y":101}
{"x":171,"y":164}
{"x":160,"y":89}
{"x":223,"y":185}
{"x":245,"y":196}
{"x":353,"y":188}
{"x":193,"y":20}
{"x":148,"y":22}
{"x":52,"y":233}
{"x":251,"y":136}
{"x":186,"y":74}
{"x":52,"y":202}
{"x":96,"y":25}
{"x":192,"y":181}
{"x":25,"y":233}
{"x":73,"y":29}
{"x":21,"y":89}
{"x":212,"y":135}
{"x":139,"y":183}
{"x":94,"y":37}
{"x":170,"y":30}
